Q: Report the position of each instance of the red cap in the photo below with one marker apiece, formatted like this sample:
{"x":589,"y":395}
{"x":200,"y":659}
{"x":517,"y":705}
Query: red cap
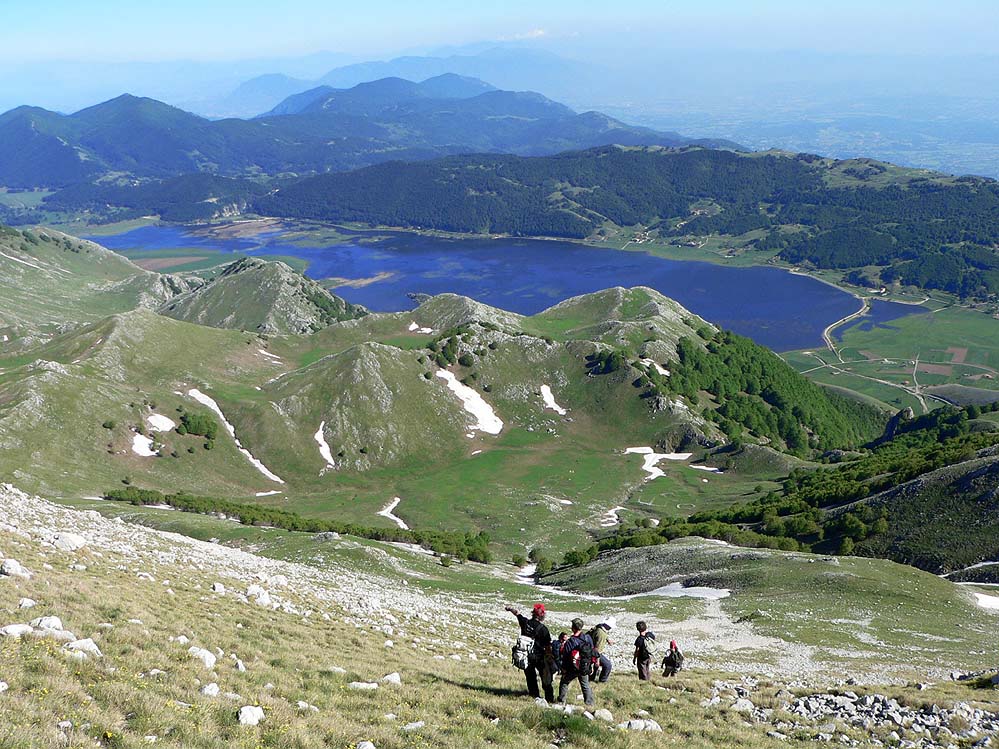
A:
{"x":539,"y":609}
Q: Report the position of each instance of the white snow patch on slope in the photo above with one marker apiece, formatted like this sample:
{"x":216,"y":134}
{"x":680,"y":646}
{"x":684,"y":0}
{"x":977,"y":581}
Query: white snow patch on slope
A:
{"x":987,"y":602}
{"x":549,"y":399}
{"x":22,"y":262}
{"x":324,"y":448}
{"x":143,"y":446}
{"x":386,"y":512}
{"x":160,"y":423}
{"x":611,"y":518}
{"x":486,"y":419}
{"x":269,"y":494}
{"x":658,"y":367}
{"x":709,"y":469}
{"x":275,"y":359}
{"x":652,"y":459}
{"x":206,"y":400}
{"x":414,"y":328}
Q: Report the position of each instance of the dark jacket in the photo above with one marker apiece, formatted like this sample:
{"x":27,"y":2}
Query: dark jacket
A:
{"x":531,"y":627}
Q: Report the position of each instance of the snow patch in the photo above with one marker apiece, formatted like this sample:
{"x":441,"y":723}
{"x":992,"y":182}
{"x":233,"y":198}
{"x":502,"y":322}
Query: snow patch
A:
{"x":386,"y":512}
{"x":549,"y":399}
{"x":709,"y":469}
{"x":986,"y":601}
{"x":486,"y":419}
{"x":414,"y":328}
{"x":208,"y":401}
{"x":160,"y":423}
{"x":274,"y":358}
{"x":656,"y":365}
{"x":143,"y":446}
{"x":324,"y":448}
{"x":611,"y":518}
{"x":269,"y":494}
{"x":652,"y":459}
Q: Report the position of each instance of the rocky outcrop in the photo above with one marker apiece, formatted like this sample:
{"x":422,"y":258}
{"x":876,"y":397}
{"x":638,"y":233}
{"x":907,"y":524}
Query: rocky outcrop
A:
{"x":262,"y":296}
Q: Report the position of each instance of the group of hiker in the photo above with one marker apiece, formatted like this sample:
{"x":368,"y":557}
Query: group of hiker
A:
{"x":580,"y":655}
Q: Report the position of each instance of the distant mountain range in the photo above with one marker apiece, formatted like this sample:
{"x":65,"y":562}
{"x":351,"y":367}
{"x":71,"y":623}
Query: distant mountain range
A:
{"x":508,"y":68}
{"x":323,"y":130}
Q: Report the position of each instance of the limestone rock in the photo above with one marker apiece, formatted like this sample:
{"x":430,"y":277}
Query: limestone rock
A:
{"x":207,"y":657}
{"x":250,"y":715}
{"x":13,"y":568}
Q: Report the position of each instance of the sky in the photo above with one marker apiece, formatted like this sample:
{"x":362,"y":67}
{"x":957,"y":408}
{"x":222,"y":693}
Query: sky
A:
{"x":126,"y":30}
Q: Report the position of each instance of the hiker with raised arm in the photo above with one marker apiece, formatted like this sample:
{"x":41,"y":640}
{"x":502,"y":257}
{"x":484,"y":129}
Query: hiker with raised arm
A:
{"x":673,"y":660}
{"x":645,"y":649}
{"x":576,"y":653}
{"x":533,"y":651}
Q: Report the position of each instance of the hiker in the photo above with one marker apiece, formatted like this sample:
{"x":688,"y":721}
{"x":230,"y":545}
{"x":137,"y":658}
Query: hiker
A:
{"x":673,"y":660}
{"x":645,"y":648}
{"x":575,"y":660}
{"x":557,"y":649}
{"x":600,"y":635}
{"x":539,"y":660}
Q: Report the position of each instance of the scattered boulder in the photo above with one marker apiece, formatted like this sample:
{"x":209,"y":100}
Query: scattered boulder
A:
{"x":87,"y":647}
{"x":416,"y":726}
{"x":207,"y":657}
{"x":392,"y":678}
{"x":250,"y":715}
{"x":218,"y":588}
{"x":365,"y":745}
{"x":68,"y":541}
{"x":604,"y":714}
{"x":13,"y":568}
{"x":211,"y":690}
{"x":26,"y":603}
{"x":362,"y":686}
{"x":15,"y":630}
{"x":47,"y":622}
{"x":3,"y":687}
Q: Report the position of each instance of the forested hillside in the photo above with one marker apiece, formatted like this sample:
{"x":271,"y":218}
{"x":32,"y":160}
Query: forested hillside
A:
{"x":925,"y":497}
{"x":920,"y":229}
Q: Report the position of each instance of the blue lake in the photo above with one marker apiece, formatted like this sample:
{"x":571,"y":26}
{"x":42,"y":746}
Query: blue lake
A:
{"x":769,"y":305}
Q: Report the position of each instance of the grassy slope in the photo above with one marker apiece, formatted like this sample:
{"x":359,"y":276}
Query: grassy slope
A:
{"x":113,"y":702}
{"x":48,"y":284}
{"x":867,"y":608}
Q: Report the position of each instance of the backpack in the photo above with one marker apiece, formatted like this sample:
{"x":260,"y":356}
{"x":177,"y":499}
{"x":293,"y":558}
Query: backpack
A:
{"x":577,"y":653}
{"x":649,"y":646}
{"x":673,"y":660}
{"x":523,"y":652}
{"x":597,"y":635}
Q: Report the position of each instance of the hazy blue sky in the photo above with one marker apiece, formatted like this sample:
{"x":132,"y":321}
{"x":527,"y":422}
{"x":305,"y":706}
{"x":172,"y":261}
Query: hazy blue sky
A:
{"x":229,"y":29}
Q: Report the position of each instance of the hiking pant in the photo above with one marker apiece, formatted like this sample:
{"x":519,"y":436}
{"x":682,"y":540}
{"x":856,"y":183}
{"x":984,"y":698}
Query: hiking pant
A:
{"x":605,"y":668}
{"x":644,"y":667}
{"x":584,"y":683}
{"x":544,"y":670}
